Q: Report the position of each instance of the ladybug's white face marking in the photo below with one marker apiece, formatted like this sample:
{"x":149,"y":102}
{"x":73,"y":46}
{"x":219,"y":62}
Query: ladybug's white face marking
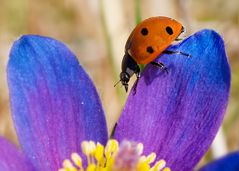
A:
{"x":130,"y":71}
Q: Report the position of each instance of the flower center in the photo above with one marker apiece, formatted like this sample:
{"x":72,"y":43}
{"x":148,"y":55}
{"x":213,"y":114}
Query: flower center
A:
{"x":114,"y":157}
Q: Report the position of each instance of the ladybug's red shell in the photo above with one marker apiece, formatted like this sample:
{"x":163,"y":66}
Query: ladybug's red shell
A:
{"x":151,"y":37}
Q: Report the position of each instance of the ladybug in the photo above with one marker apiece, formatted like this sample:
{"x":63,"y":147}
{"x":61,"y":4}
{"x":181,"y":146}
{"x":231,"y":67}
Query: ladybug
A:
{"x":149,"y":39}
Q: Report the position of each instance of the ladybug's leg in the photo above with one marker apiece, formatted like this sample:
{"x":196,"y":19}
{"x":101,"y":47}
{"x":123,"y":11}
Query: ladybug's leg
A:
{"x":160,"y":65}
{"x":137,"y":73}
{"x":176,"y":52}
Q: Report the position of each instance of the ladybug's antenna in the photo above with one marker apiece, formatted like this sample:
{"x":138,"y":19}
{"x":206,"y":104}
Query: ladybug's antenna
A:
{"x":117,"y":83}
{"x":123,"y":84}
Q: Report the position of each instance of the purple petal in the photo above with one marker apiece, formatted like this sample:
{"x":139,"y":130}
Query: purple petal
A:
{"x":229,"y":162}
{"x":12,"y":158}
{"x":178,"y":114}
{"x":53,"y":101}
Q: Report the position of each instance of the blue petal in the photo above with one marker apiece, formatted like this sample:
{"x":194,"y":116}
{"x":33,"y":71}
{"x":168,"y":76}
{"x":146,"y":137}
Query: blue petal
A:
{"x":12,"y":159}
{"x":177,"y":115}
{"x":226,"y":163}
{"x":54,"y":103}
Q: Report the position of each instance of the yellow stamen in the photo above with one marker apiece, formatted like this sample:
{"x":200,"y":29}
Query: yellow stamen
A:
{"x":77,"y":160}
{"x":99,"y":155}
{"x":167,"y":169}
{"x":140,"y":148}
{"x":68,"y":166}
{"x":111,"y":148}
{"x":150,"y":158}
{"x":159,"y":165}
{"x":114,"y":157}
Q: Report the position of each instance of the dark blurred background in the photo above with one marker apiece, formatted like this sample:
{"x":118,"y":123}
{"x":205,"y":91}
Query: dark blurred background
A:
{"x":96,"y":31}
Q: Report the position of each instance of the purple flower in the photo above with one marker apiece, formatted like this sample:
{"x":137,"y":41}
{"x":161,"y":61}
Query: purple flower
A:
{"x":55,"y":105}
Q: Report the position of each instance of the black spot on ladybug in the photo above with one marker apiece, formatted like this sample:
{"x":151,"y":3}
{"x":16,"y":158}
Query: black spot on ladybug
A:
{"x":169,"y":30}
{"x":150,"y":49}
{"x":144,"y":31}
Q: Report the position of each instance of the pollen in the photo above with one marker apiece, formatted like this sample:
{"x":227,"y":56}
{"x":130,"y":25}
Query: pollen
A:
{"x":126,"y":156}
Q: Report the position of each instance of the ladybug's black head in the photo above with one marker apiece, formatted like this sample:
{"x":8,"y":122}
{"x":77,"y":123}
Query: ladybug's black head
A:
{"x":128,"y":68}
{"x":124,"y":78}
